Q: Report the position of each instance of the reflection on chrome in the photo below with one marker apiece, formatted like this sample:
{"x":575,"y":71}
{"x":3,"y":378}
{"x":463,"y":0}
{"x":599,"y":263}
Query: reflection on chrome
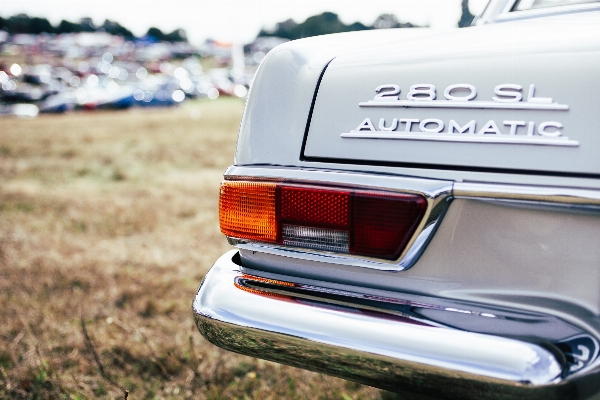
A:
{"x":390,"y":342}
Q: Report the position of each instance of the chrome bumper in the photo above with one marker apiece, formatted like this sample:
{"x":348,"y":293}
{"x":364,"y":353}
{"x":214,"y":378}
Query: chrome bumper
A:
{"x":371,"y":348}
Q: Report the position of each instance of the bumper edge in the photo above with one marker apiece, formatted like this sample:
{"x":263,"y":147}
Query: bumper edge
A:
{"x":424,"y":361}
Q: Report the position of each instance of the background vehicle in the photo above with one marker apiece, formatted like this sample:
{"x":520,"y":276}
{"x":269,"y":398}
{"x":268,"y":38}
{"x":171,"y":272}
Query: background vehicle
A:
{"x":418,"y":211}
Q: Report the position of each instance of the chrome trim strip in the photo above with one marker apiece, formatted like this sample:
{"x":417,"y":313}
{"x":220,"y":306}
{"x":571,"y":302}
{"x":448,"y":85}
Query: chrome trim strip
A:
{"x":502,"y":11}
{"x":491,"y":9}
{"x":465,"y":104}
{"x":363,"y":346}
{"x":549,"y":195}
{"x":501,"y":139}
{"x":437,"y":193}
{"x":509,"y":6}
{"x":547,"y":11}
{"x":391,"y":182}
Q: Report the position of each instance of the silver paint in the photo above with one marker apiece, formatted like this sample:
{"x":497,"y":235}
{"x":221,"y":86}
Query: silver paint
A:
{"x":482,"y":57}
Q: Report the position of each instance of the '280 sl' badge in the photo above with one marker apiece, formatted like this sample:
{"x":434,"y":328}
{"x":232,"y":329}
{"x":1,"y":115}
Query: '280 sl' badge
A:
{"x":507,"y":97}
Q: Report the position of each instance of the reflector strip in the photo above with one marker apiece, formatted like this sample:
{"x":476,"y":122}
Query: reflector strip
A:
{"x":266,"y":280}
{"x":315,"y":238}
{"x":315,"y":207}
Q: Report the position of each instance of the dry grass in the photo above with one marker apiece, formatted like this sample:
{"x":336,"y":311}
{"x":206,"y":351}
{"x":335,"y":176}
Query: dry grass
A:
{"x":107,"y":225}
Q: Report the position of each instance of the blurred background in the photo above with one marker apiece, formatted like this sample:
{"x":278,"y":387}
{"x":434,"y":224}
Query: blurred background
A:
{"x":117,"y":120}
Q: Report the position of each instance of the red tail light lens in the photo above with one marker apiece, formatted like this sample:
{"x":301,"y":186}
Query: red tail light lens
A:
{"x":383,"y":224}
{"x":369,"y":223}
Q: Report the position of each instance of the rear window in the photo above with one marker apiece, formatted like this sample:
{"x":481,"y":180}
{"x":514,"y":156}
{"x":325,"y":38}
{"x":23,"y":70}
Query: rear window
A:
{"x":522,"y":5}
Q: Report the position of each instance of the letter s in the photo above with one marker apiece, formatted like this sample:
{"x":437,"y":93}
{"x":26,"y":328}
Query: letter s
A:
{"x":508,"y":93}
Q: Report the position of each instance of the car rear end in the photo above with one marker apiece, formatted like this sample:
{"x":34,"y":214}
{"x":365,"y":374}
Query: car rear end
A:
{"x":419,"y":211}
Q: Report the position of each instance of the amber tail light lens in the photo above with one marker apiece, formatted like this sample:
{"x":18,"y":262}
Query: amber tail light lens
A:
{"x":360,"y":222}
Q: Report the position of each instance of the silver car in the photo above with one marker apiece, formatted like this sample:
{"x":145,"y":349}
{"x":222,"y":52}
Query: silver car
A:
{"x":419,"y":210}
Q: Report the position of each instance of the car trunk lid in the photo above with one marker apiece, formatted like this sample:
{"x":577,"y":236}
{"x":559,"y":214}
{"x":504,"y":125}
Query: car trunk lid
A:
{"x":505,"y":97}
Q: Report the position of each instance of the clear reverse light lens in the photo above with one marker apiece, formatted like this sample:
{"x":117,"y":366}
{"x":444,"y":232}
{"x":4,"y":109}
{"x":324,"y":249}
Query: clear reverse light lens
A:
{"x":315,"y":238}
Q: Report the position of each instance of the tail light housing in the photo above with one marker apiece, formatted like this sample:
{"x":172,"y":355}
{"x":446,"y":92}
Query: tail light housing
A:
{"x":369,"y":223}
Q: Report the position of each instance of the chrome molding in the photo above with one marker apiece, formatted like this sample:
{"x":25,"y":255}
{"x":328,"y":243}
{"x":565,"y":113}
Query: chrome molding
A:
{"x":546,"y":195}
{"x":547,"y":11}
{"x":437,"y":193}
{"x":384,"y":351}
{"x":464,"y":104}
{"x":502,"y":11}
{"x":462,"y":138}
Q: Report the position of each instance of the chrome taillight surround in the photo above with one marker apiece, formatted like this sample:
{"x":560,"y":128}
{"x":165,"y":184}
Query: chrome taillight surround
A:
{"x":437,"y":194}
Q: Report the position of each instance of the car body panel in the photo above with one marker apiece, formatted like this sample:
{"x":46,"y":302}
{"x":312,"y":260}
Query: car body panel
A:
{"x":283,"y":89}
{"x":530,"y":52}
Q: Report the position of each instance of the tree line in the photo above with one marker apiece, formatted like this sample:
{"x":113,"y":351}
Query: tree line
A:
{"x":322,"y":24}
{"x":23,"y":23}
{"x":327,"y":23}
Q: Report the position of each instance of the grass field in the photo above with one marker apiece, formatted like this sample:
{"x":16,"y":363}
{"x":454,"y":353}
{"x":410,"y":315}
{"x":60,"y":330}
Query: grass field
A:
{"x":108,"y":222}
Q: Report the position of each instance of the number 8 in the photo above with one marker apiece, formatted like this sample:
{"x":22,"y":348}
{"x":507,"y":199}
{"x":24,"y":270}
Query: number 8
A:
{"x":422,"y":89}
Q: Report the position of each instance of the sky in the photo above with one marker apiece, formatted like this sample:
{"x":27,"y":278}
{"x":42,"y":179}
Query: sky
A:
{"x":237,"y":21}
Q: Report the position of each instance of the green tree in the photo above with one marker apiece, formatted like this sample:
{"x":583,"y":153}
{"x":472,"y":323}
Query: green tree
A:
{"x":114,"y":28}
{"x":68,"y":27}
{"x":22,"y":23}
{"x":178,"y":35}
{"x":326,"y":23}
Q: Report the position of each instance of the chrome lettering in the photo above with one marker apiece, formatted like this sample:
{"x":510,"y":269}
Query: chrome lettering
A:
{"x":490,"y":127}
{"x":510,"y":93}
{"x":392,"y":127}
{"x":513,"y":126}
{"x":366,"y":125}
{"x":470,"y":127}
{"x":425,"y":122}
{"x":458,"y":86}
{"x":425,"y":90}
{"x":543,"y":132}
{"x":387,"y":92}
{"x":532,"y":99}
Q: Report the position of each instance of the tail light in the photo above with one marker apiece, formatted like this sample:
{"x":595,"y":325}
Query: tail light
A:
{"x":360,"y":222}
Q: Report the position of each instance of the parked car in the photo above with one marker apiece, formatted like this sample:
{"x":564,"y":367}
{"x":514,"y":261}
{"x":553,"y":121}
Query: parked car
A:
{"x":420,"y":211}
